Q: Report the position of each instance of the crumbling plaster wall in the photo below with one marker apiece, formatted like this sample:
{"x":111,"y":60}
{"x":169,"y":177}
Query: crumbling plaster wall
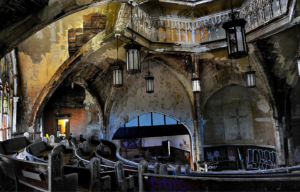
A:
{"x":169,"y":98}
{"x":218,"y":71}
{"x":84,"y":120}
{"x":255,"y":124}
{"x":44,"y":52}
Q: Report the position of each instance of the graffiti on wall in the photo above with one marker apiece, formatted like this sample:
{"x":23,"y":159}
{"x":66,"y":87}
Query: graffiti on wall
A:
{"x":169,"y":185}
{"x":216,"y":154}
{"x":261,"y":159}
{"x":131,"y":143}
{"x":231,"y":153}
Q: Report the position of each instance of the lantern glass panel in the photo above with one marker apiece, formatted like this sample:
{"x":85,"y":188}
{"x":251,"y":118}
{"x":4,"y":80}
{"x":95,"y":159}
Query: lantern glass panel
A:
{"x":133,"y":58}
{"x":251,"y":81}
{"x":149,"y":84}
{"x":118,"y":77}
{"x":196,"y":85}
{"x":299,"y":67}
{"x":240,"y":39}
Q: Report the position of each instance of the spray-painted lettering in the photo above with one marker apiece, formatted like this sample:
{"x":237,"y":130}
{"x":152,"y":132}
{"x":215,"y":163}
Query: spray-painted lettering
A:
{"x":169,"y":185}
{"x":261,"y":159}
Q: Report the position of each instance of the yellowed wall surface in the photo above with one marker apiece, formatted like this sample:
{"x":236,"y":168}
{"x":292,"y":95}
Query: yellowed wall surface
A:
{"x":44,"y":52}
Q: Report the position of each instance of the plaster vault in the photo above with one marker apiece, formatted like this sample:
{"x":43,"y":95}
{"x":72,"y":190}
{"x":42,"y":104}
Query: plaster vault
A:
{"x":169,"y":98}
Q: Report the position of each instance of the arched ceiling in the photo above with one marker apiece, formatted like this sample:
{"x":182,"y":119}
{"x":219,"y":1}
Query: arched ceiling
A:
{"x":95,"y":57}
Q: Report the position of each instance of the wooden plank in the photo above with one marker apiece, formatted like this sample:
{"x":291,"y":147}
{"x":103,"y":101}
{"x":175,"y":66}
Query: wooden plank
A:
{"x":19,"y":165}
{"x":32,"y":175}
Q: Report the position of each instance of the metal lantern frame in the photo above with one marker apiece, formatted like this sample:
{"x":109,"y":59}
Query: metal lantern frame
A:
{"x":196,"y":85}
{"x":133,"y":61}
{"x":118,"y":76}
{"x":250,"y":76}
{"x":149,"y":83}
{"x":298,"y":66}
{"x":117,"y":70}
{"x":297,"y":58}
{"x":133,"y":53}
{"x":236,"y":37}
{"x":149,"y":80}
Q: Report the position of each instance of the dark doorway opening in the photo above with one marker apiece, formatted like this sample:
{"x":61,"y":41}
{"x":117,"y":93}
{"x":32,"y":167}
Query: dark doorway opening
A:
{"x":62,"y":123}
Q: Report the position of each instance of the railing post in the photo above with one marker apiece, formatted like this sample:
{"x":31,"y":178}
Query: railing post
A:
{"x":163,"y":169}
{"x":143,"y":168}
{"x":156,"y":168}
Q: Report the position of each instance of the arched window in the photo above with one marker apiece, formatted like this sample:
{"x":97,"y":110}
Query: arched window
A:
{"x":151,"y":119}
{"x":150,"y":125}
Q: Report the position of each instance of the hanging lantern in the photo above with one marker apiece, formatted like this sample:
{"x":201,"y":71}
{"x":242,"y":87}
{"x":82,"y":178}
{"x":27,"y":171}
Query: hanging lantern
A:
{"x":298,"y":67}
{"x":149,"y":83}
{"x":196,"y":85}
{"x":117,"y":69}
{"x":133,"y":62}
{"x":297,"y":58}
{"x":251,"y":82}
{"x":118,"y":76}
{"x":236,"y":37}
{"x":132,"y":48}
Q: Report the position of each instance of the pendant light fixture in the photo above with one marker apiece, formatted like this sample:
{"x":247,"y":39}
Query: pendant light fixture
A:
{"x":132,"y":48}
{"x":251,"y":81}
{"x":297,"y":58}
{"x":235,"y":35}
{"x":149,"y":80}
{"x":196,"y":85}
{"x":117,"y":70}
{"x":195,"y":80}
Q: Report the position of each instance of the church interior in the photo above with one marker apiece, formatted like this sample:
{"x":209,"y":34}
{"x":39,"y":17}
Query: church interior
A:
{"x":149,"y":95}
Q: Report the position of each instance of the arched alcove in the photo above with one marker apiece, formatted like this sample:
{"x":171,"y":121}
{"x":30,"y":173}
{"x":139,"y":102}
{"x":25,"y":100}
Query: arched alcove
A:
{"x":169,"y":98}
{"x":238,"y":115}
{"x":149,"y":132}
{"x":76,"y":106}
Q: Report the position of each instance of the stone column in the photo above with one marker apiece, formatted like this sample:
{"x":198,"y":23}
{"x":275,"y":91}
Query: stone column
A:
{"x":198,"y":131}
{"x":15,"y":91}
{"x":198,"y":128}
{"x":16,"y":99}
{"x":279,"y":143}
{"x":290,"y":143}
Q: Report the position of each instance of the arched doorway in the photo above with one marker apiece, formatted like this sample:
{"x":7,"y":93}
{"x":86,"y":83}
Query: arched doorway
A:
{"x":71,"y":109}
{"x":156,"y":137}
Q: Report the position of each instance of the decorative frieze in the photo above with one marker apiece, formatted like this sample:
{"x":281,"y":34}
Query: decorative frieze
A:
{"x":207,"y":28}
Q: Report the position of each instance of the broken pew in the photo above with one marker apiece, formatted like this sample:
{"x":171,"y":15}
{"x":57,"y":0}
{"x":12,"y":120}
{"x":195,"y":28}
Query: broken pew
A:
{"x":40,"y":176}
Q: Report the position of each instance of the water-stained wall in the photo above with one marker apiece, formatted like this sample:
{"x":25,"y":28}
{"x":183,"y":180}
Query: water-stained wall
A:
{"x":169,"y":98}
{"x":238,"y":115}
{"x":80,"y":106}
{"x":44,"y":52}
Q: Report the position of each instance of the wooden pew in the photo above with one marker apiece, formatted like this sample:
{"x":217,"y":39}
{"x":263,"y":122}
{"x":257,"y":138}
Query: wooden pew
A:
{"x":14,"y":145}
{"x":41,"y":176}
{"x":38,"y":151}
{"x":97,"y":183}
{"x":267,"y":180}
{"x":123,"y":179}
{"x":123,"y":183}
{"x":67,"y":153}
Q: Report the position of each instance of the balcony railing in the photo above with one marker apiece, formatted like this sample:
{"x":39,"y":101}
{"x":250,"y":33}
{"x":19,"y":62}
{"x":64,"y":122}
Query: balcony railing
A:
{"x":208,"y":28}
